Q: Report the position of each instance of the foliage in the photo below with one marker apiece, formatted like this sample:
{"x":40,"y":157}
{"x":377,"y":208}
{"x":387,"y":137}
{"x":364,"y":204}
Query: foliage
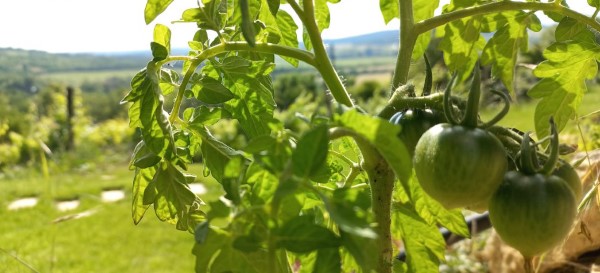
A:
{"x":300,"y":195}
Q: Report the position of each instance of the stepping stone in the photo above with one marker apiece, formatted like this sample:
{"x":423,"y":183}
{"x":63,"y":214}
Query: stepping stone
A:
{"x":113,"y":195}
{"x":26,"y":202}
{"x":197,"y":188}
{"x":67,"y":205}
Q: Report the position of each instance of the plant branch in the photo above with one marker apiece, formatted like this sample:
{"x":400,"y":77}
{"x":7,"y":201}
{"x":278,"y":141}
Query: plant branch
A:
{"x":408,"y":39}
{"x":322,"y":60}
{"x":280,"y":50}
{"x":431,"y":23}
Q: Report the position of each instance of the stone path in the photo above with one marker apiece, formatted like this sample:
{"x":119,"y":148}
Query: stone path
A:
{"x":107,"y":196}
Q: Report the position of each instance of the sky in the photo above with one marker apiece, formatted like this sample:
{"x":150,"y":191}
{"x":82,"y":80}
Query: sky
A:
{"x":118,"y":25}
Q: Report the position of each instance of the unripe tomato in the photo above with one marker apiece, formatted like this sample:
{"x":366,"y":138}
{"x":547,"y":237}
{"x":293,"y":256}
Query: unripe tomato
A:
{"x":459,"y":166}
{"x":567,"y":173}
{"x":532,"y":213}
{"x":414,"y":123}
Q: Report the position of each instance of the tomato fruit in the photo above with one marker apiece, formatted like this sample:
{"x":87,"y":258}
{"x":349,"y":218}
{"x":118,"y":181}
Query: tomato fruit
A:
{"x":532,"y":213}
{"x":533,"y":209}
{"x":457,"y":163}
{"x":567,"y":173}
{"x":414,"y":123}
{"x":459,"y":166}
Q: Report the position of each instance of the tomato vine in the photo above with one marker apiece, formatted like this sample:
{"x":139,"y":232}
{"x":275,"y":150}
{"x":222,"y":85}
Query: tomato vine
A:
{"x":330,"y":198}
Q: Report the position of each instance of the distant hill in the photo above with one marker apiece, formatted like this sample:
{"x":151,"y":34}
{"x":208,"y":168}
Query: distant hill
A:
{"x":375,"y":38}
{"x":39,"y":62}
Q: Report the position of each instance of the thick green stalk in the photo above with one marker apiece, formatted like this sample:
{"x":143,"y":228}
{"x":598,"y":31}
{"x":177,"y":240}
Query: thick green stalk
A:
{"x":381,"y":179}
{"x":322,"y":61}
{"x":408,"y":39}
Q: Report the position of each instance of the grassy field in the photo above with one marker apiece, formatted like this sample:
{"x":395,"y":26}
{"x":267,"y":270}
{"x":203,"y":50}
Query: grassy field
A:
{"x":105,"y":241}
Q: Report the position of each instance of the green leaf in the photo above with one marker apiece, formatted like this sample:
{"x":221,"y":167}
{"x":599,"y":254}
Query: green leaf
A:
{"x":362,"y":249}
{"x":302,"y":235}
{"x":461,"y":44}
{"x":562,"y":87}
{"x":390,"y":9}
{"x":140,"y":181}
{"x":161,"y":47}
{"x":322,"y":15}
{"x":594,"y":3}
{"x":215,"y":153}
{"x":311,"y":151}
{"x":247,"y":23}
{"x":328,"y":261}
{"x":201,"y":17}
{"x":382,"y":135}
{"x":434,"y":213}
{"x":263,"y":184}
{"x":571,"y":29}
{"x":253,"y":106}
{"x":422,"y":9}
{"x":215,"y":240}
{"x":287,"y":28}
{"x":502,"y":49}
{"x":203,"y":116}
{"x":423,"y":243}
{"x":154,"y":8}
{"x":211,"y":91}
{"x":143,"y":157}
{"x":201,"y":232}
{"x":274,"y":6}
{"x":349,"y":216}
{"x":174,"y":201}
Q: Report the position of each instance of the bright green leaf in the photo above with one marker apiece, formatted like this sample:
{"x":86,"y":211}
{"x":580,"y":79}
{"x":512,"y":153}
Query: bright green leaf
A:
{"x":594,"y":3}
{"x":502,"y":49}
{"x":461,"y":44}
{"x":174,"y":200}
{"x":434,"y":213}
{"x":390,"y":9}
{"x":422,"y":9}
{"x":382,"y":134}
{"x":161,"y":47}
{"x":561,"y":90}
{"x":302,"y":235}
{"x":211,"y":91}
{"x":154,"y":8}
{"x":362,"y":250}
{"x":311,"y":151}
{"x":140,"y":181}
{"x":423,"y":242}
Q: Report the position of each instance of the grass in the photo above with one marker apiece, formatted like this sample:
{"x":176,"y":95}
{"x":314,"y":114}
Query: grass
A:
{"x":106,"y":241}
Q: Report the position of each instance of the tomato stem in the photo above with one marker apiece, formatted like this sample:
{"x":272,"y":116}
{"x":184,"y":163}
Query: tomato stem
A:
{"x":502,"y":113}
{"x":553,"y":156}
{"x":428,"y":77}
{"x":471,"y":113}
{"x":527,"y":156}
{"x":448,"y":108}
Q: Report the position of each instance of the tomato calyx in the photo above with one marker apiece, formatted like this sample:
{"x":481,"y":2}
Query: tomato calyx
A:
{"x":470,"y":118}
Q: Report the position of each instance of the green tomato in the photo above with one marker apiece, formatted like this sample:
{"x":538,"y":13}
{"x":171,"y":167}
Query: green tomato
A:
{"x":459,"y":166}
{"x":567,"y":173}
{"x":532,"y":213}
{"x":414,"y":123}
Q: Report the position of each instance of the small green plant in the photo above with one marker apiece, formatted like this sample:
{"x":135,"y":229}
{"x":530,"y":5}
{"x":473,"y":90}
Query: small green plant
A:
{"x":332,"y":197}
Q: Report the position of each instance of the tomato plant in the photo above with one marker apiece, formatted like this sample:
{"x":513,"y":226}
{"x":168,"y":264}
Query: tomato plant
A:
{"x":330,"y":198}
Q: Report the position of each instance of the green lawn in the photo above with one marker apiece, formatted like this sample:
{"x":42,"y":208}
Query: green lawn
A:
{"x":106,"y":241}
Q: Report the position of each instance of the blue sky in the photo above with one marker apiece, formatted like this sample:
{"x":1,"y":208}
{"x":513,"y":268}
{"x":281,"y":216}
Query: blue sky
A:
{"x":118,"y":25}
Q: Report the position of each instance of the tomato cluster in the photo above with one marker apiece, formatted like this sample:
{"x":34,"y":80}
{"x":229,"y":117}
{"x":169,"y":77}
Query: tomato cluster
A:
{"x":462,"y":165}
